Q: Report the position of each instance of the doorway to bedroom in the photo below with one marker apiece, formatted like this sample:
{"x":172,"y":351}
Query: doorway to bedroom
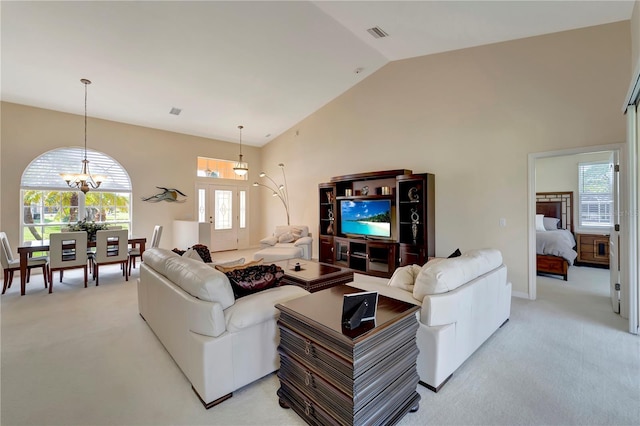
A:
{"x":575,"y":205}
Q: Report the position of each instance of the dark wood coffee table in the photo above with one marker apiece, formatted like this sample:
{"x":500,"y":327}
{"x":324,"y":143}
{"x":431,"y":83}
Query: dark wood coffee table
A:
{"x":332,"y":375}
{"x":314,"y":276}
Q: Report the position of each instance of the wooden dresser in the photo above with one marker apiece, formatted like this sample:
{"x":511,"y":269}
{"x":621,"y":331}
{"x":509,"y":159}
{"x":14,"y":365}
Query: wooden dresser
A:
{"x":330,"y":375}
{"x":593,"y":250}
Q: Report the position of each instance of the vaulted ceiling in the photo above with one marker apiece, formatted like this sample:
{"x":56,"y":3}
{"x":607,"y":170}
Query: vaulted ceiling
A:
{"x":263,"y":64}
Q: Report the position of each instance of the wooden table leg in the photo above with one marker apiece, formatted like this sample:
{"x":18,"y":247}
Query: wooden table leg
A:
{"x":24,"y":260}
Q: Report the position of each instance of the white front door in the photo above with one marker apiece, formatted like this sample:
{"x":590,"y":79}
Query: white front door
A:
{"x":222,"y":216}
{"x":224,"y":232}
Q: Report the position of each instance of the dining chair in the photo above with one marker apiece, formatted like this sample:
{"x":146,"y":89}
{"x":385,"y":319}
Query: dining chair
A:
{"x":111,"y":248}
{"x":67,"y":250}
{"x":10,"y":265}
{"x":155,"y":242}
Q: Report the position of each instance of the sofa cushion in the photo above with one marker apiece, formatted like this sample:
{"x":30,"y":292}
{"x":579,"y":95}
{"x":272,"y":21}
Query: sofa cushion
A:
{"x":246,"y":281}
{"x":298,"y":231}
{"x":156,"y":258}
{"x":224,"y":268}
{"x":287,"y":237}
{"x":449,"y":274}
{"x":200,"y":280}
{"x":192,"y":254}
{"x":404,"y":277}
{"x":269,"y":241}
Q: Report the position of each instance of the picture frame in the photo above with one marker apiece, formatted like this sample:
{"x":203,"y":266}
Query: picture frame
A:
{"x":358,"y":307}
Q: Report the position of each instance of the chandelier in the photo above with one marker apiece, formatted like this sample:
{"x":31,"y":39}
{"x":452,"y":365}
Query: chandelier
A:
{"x":83,"y":180}
{"x":241,"y":167}
{"x":279,"y":191}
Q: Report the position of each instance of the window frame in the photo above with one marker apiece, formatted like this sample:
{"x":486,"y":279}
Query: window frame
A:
{"x":605,"y":203}
{"x":41,"y":181}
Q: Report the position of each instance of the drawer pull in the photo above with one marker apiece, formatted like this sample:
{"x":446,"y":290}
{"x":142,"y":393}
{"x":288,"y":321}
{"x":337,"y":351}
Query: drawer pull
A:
{"x":307,"y":347}
{"x":308,"y":409}
{"x":308,"y":378}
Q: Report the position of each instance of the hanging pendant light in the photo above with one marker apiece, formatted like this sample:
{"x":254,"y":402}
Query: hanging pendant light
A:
{"x":241,"y":168}
{"x":83,"y":180}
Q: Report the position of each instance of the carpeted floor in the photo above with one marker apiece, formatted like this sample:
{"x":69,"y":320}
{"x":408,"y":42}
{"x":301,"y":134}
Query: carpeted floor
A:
{"x":85,"y":357}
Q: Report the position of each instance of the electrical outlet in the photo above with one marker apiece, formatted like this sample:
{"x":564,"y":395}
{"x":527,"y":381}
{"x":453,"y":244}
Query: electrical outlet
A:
{"x":503,"y":222}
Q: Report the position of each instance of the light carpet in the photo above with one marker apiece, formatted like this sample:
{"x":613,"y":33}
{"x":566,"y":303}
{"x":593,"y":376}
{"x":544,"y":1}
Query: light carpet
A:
{"x":85,"y":357}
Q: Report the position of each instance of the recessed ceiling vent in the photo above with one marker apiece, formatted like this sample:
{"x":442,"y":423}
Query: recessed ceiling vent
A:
{"x":175,"y":111}
{"x":377,"y":32}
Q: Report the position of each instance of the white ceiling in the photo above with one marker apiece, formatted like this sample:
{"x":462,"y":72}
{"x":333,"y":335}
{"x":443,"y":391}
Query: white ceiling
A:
{"x":264,"y":64}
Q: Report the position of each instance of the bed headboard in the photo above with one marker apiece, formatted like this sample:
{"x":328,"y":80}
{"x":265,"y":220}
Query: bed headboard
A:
{"x":558,"y":205}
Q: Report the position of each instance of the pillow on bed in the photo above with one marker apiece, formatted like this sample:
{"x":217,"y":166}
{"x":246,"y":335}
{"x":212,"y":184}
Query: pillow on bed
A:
{"x":540,"y":222}
{"x":550,"y":223}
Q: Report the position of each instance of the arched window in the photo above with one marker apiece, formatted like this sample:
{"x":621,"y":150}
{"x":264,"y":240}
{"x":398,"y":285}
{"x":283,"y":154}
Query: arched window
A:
{"x":48,"y":204}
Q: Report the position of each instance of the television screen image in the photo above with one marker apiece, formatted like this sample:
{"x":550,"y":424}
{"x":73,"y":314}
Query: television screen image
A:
{"x":366,"y":217}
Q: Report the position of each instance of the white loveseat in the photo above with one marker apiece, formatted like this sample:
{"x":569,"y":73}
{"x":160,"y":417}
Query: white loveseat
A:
{"x":463,"y":300}
{"x":287,"y":242}
{"x":219,"y":343}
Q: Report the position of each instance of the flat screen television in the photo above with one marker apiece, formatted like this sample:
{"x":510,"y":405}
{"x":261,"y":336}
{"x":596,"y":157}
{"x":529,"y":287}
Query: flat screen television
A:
{"x":369,"y":218}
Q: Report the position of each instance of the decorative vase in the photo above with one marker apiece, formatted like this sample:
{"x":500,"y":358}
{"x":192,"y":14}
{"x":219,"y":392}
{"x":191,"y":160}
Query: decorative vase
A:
{"x":329,"y":197}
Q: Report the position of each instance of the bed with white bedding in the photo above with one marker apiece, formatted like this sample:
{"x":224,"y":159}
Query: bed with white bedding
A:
{"x":555,"y":243}
{"x":558,"y":242}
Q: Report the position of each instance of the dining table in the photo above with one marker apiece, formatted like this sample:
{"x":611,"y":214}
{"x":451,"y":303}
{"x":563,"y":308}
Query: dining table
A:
{"x":29,"y":247}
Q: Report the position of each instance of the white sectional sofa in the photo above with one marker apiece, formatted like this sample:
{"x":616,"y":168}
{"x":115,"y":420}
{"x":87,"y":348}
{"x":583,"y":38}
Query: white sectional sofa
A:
{"x":463,"y":300}
{"x":219,"y":343}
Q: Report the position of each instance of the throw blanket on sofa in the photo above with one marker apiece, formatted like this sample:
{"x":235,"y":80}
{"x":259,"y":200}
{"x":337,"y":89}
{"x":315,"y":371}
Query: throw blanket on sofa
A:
{"x":557,"y":243}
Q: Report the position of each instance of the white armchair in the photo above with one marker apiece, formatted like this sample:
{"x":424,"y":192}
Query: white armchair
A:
{"x":286,"y":242}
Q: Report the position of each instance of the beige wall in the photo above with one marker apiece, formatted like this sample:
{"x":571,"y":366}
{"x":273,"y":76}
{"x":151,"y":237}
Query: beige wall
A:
{"x":561,"y":173}
{"x":471,"y":117}
{"x":555,"y":174}
{"x":151,"y":157}
{"x":635,"y":35}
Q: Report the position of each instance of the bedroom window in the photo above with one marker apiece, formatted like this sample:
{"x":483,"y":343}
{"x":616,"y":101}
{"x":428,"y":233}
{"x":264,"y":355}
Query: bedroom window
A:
{"x":595,"y":192}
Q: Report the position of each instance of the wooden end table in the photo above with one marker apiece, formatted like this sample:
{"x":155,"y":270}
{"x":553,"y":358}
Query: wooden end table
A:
{"x":332,"y":375}
{"x":314,"y":276}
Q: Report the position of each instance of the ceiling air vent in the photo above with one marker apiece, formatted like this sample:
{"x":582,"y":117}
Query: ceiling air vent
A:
{"x":377,"y":32}
{"x":175,"y":111}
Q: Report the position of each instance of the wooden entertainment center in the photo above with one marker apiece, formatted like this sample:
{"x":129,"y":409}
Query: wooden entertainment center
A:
{"x":411,"y":238}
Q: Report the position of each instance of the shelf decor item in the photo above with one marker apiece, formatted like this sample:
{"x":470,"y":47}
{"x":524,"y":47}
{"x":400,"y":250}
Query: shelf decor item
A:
{"x":364,"y":190}
{"x":331,"y":219}
{"x":413,"y":194}
{"x":415,"y":220}
{"x":329,"y":197}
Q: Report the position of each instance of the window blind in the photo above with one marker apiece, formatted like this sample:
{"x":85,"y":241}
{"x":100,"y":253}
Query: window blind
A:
{"x":44,"y":171}
{"x":595,"y":186}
